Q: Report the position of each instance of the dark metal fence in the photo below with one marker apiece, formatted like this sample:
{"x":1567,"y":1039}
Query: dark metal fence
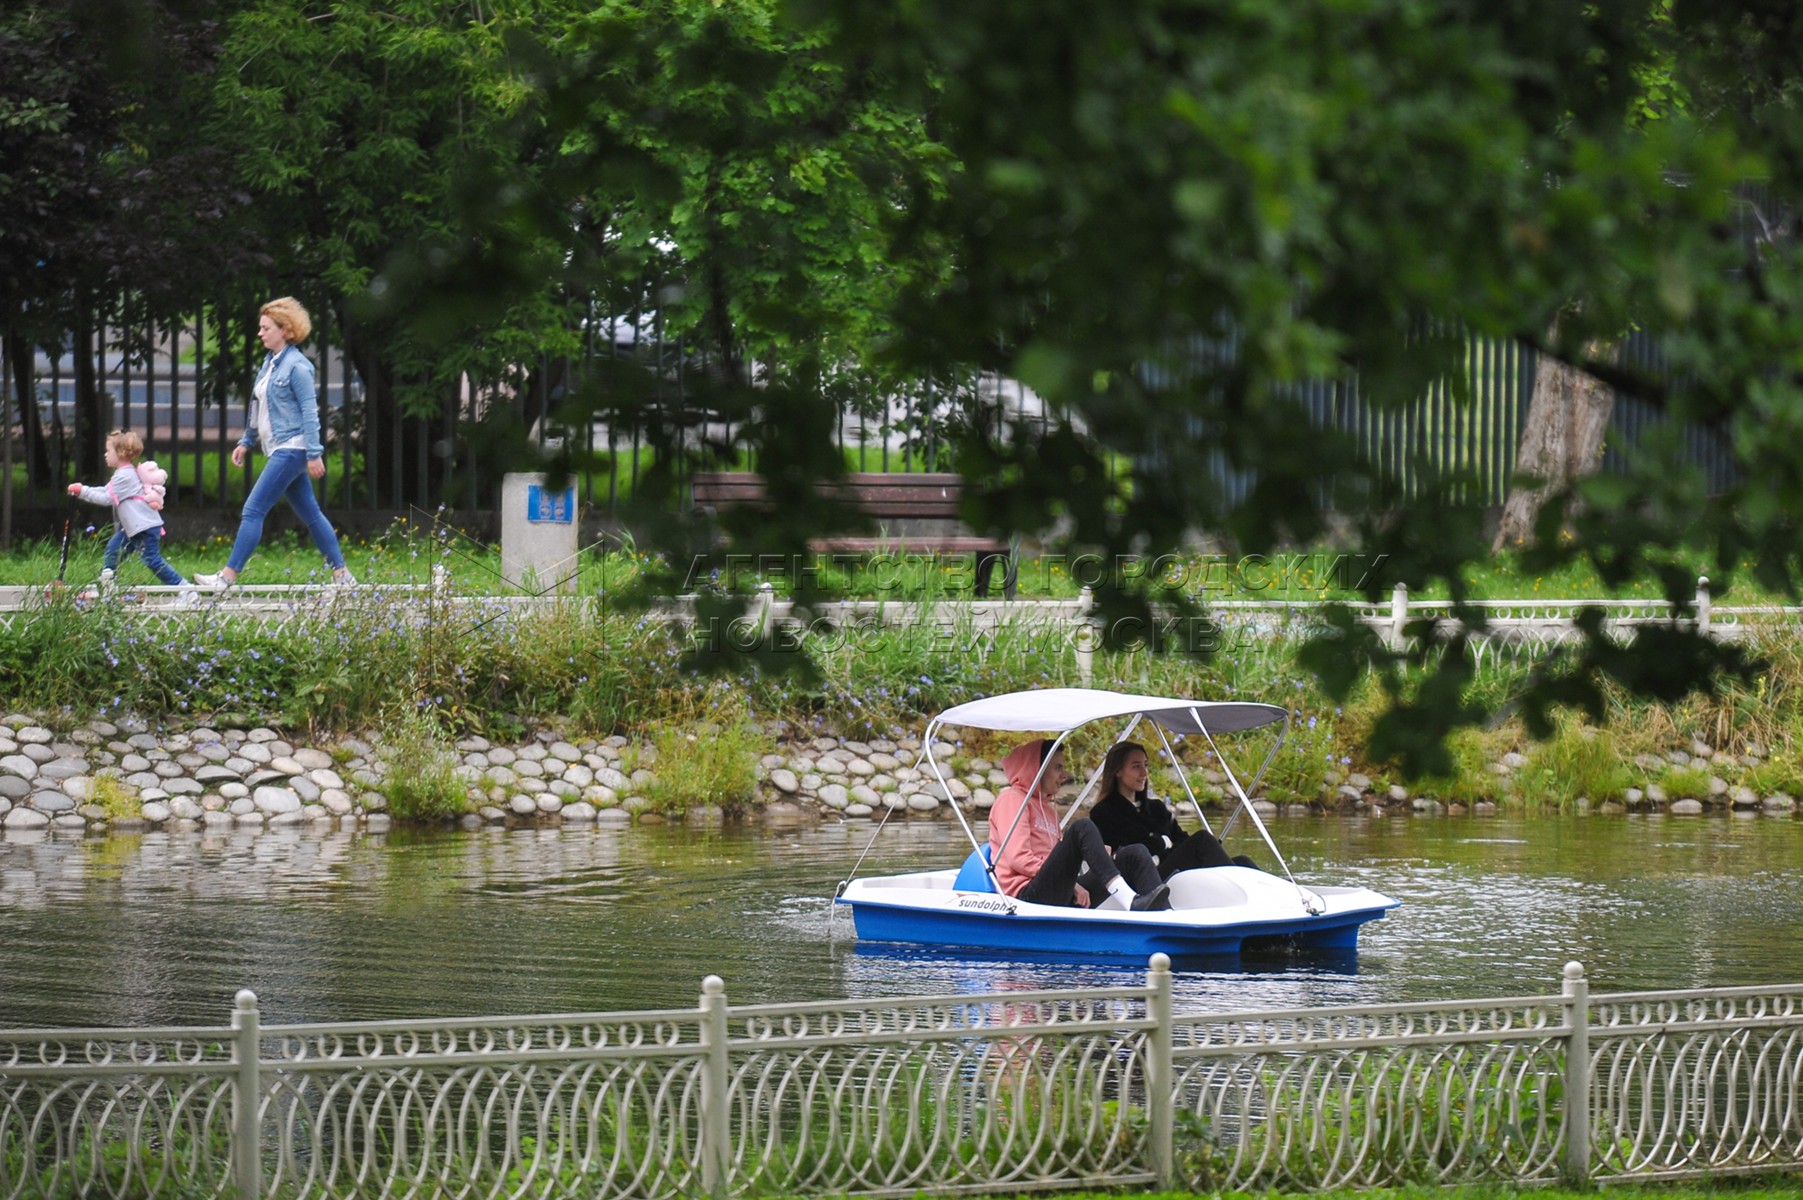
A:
{"x":184,"y":388}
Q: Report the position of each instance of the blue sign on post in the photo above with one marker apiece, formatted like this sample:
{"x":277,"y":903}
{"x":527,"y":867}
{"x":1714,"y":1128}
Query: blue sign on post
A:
{"x":556,"y":507}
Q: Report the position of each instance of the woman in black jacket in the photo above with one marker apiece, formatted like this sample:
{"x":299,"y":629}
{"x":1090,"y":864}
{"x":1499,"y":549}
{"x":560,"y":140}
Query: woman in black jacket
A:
{"x":1128,"y":815}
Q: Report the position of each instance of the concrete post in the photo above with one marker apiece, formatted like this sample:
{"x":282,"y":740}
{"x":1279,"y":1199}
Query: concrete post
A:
{"x":716,"y":1113}
{"x":1161,"y":1073}
{"x":1088,"y":636}
{"x":1577,"y":1075}
{"x":247,"y":1098}
{"x":538,"y":534}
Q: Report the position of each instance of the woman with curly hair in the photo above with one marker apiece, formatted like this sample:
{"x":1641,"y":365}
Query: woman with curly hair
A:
{"x":285,"y":423}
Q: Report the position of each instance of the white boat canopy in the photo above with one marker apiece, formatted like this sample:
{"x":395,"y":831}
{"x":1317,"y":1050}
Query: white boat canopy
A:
{"x":1059,"y":710}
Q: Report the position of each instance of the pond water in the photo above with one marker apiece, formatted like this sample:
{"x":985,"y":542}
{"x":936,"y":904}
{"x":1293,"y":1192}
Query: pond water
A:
{"x":164,"y":928}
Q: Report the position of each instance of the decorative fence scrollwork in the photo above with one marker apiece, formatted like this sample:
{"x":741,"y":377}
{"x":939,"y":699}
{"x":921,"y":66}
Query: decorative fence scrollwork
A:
{"x":1697,"y":1081}
{"x":998,"y":1092}
{"x":1335,"y":1098}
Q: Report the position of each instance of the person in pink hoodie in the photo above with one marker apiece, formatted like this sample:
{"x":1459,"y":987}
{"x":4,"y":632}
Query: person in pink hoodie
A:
{"x":1039,"y":862}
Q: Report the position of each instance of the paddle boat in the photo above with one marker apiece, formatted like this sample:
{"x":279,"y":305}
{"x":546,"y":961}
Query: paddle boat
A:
{"x":1214,"y":911}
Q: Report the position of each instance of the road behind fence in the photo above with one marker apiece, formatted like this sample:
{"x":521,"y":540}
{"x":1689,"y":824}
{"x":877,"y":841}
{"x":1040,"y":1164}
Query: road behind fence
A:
{"x":1001,"y":1092}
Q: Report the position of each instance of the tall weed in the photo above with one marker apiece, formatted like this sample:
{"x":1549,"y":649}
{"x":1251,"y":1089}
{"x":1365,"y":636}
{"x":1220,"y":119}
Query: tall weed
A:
{"x":707,"y":761}
{"x":420,"y":769}
{"x":1577,"y":762}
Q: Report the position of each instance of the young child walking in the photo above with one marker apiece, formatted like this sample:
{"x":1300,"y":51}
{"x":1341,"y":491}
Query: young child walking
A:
{"x":139,"y":527}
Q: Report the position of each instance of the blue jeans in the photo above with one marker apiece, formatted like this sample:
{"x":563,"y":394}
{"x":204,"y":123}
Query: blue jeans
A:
{"x":284,"y":477}
{"x":149,"y":545}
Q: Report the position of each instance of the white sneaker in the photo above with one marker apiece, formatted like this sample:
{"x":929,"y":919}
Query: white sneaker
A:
{"x":189,"y":595}
{"x":213,"y":583}
{"x":342,"y":577}
{"x":106,"y":581}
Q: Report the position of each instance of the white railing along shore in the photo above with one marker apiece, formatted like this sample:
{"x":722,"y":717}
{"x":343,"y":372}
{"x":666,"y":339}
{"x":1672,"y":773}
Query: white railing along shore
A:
{"x":1521,"y":628}
{"x":1003,"y":1092}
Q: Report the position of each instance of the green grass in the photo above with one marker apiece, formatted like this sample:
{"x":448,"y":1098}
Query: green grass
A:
{"x":1577,"y":762}
{"x":419,"y":779}
{"x":376,"y":660}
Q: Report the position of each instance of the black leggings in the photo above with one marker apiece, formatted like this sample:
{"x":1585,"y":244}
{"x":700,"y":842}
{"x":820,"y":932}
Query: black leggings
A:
{"x":1199,"y":849}
{"x":1080,"y":847}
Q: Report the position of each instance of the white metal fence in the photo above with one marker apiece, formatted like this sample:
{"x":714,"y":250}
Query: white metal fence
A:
{"x":988,"y":1093}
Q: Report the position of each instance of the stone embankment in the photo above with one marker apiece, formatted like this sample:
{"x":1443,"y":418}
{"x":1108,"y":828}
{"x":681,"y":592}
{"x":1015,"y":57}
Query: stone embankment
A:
{"x":103,"y":774}
{"x":124,"y":775}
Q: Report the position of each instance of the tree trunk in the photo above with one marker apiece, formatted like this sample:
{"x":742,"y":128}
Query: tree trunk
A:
{"x":400,"y":465}
{"x":92,"y":416}
{"x":36,"y":449}
{"x":6,"y":440}
{"x":1561,"y":441}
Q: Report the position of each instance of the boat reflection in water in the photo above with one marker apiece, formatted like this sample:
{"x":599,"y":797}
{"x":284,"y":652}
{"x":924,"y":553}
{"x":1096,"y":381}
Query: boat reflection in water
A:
{"x":1277,"y":977}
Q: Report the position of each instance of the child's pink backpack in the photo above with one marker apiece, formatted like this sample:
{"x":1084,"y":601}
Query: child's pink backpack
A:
{"x":152,"y":478}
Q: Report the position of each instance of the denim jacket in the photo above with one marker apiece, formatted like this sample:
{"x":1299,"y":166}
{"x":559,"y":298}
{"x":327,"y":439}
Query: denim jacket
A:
{"x":293,"y":402}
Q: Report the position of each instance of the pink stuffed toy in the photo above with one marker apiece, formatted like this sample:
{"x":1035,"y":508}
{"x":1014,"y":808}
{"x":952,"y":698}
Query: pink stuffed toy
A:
{"x":153,"y":478}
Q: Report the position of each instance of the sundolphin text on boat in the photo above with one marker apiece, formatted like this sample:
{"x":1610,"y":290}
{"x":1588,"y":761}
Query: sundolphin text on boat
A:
{"x":1214,"y":910}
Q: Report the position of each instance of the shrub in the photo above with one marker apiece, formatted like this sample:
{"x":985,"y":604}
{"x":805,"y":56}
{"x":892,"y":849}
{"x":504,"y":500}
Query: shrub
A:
{"x":1680,"y":782}
{"x":420,"y":770}
{"x":118,"y":798}
{"x":1577,"y":761}
{"x":711,"y":762}
{"x":1471,"y":779}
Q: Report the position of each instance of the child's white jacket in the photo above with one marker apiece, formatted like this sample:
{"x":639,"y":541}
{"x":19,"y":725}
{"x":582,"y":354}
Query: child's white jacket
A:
{"x":125,"y":492}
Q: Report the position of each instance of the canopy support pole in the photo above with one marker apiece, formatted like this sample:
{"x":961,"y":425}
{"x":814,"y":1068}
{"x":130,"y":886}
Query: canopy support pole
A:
{"x":1311,"y":903}
{"x":1096,"y":775}
{"x":932,"y":762}
{"x":1270,"y":757}
{"x":1183,"y":778}
{"x":957,"y":809}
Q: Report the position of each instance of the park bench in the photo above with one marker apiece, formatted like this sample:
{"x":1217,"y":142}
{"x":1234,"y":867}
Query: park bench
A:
{"x":917,"y":513}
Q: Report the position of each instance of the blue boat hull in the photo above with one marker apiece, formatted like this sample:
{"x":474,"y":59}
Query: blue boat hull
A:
{"x":1083,"y":935}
